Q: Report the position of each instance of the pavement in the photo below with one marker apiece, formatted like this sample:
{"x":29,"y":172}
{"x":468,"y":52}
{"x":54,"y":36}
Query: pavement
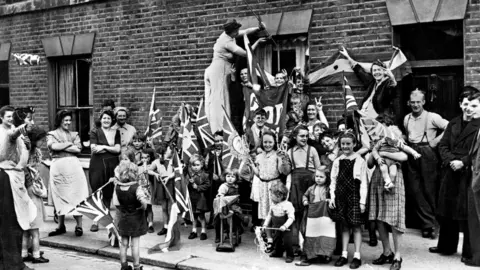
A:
{"x":196,"y":254}
{"x":61,"y":259}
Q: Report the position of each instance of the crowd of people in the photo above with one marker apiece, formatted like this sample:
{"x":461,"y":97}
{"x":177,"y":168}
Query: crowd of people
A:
{"x":311,"y":190}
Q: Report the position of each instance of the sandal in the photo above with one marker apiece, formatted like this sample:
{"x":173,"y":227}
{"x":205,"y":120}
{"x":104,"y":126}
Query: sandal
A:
{"x":78,"y":231}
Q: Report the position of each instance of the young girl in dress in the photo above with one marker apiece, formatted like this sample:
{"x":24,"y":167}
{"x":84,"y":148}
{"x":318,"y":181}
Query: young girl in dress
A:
{"x":147,"y":156}
{"x":198,"y":187}
{"x":305,"y":161}
{"x":37,"y":192}
{"x":165,"y":186}
{"x":269,"y":165}
{"x":230,"y":188}
{"x":320,"y":228}
{"x":348,"y":192}
{"x":132,"y":221}
{"x":281,"y":216}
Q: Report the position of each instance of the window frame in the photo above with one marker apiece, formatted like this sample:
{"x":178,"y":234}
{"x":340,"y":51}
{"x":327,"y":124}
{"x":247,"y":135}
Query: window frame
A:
{"x":54,"y":102}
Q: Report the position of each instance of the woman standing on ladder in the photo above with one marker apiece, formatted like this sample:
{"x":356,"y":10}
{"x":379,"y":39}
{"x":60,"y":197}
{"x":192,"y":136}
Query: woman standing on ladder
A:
{"x":217,"y":75}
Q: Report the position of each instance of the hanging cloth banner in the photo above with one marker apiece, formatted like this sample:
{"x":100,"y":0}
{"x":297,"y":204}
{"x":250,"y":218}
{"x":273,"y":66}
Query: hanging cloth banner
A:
{"x":273,"y":101}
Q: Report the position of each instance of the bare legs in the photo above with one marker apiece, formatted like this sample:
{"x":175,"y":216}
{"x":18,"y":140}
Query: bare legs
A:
{"x":384,"y":237}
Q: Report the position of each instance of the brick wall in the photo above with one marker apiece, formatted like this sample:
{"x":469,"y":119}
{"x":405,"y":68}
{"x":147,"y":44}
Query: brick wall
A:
{"x":472,"y":42}
{"x":168,"y":44}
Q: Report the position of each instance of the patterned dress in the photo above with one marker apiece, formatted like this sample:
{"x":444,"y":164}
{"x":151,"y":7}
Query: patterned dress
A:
{"x":388,"y":207}
{"x":268,"y":175}
{"x":349,"y":189}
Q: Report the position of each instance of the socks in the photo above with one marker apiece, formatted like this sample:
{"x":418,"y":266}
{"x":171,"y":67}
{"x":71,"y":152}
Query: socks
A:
{"x":345,"y":254}
{"x":204,"y":230}
{"x":269,"y":240}
{"x":194,"y":230}
{"x":36,"y":254}
{"x":24,"y":253}
{"x":165,"y":226}
{"x":356,"y":255}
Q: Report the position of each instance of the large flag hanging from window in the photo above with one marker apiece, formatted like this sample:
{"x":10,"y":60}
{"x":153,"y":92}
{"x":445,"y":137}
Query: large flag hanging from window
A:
{"x":93,"y":208}
{"x":273,"y":101}
{"x":235,"y":148}
{"x":254,"y":68}
{"x":188,"y":139}
{"x":206,"y":135}
{"x":154,"y":120}
{"x":331,"y":71}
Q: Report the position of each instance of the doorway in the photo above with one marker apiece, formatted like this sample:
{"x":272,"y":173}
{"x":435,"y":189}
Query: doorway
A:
{"x":442,"y":86}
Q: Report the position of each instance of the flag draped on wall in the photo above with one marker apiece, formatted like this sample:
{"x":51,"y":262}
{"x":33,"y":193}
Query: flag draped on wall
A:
{"x":154,"y":120}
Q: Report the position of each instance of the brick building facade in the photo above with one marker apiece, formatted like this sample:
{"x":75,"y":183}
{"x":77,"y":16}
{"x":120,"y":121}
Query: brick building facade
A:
{"x":139,"y":44}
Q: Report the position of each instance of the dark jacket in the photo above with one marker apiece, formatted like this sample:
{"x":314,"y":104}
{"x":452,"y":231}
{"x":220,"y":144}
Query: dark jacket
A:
{"x":455,"y":145}
{"x":385,"y":98}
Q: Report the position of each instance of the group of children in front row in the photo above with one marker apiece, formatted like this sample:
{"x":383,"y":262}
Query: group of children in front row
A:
{"x":332,"y":193}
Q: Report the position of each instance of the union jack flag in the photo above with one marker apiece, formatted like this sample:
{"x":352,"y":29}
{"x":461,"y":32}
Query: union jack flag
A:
{"x":93,"y":208}
{"x":231,"y":141}
{"x":206,"y":136}
{"x":182,"y":197}
{"x":254,"y":68}
{"x":154,"y":121}
{"x":188,"y":140}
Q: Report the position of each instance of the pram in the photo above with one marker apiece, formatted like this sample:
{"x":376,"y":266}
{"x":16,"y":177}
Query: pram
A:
{"x":221,"y":206}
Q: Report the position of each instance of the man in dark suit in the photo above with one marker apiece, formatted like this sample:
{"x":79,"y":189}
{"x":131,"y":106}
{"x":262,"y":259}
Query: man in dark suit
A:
{"x":452,"y":200}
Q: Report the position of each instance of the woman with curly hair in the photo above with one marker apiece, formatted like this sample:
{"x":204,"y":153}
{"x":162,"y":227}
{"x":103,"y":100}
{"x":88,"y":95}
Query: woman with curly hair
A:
{"x":67,"y":180}
{"x":105,"y":145}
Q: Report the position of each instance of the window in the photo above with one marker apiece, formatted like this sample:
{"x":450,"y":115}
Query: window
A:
{"x":73,"y":91}
{"x":4,"y":87}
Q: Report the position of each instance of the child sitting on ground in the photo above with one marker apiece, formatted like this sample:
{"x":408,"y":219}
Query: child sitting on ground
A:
{"x":132,"y":221}
{"x":281,"y":216}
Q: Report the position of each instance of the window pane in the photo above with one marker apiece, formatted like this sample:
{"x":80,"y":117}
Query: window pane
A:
{"x":81,"y":123}
{"x":83,"y":73}
{"x":4,"y":96}
{"x":66,"y":84}
{"x":287,"y":61}
{"x":431,"y":41}
{"x":4,"y":72}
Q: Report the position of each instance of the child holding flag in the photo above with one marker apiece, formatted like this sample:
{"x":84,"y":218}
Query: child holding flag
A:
{"x":132,"y":221}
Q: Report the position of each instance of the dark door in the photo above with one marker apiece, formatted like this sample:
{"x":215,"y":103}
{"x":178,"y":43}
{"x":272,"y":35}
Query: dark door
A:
{"x":442,"y":85}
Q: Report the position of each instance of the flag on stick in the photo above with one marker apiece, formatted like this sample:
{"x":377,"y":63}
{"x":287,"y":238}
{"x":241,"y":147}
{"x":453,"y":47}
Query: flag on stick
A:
{"x":235,"y":149}
{"x":182,"y":197}
{"x":154,"y":120}
{"x":93,"y":208}
{"x":206,"y":135}
{"x":189,"y":142}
